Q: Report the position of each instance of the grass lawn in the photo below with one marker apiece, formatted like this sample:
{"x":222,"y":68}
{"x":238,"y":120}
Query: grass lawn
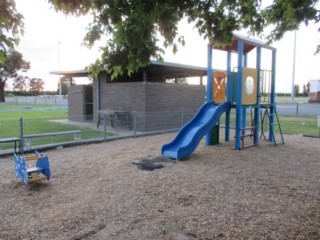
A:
{"x":291,"y":125}
{"x":288,"y":99}
{"x":4,"y":106}
{"x":40,"y":121}
{"x":51,"y":114}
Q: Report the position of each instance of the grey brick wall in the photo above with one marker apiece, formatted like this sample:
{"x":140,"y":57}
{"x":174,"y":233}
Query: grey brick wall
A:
{"x":76,"y":102}
{"x":166,"y":102}
{"x":158,"y":105}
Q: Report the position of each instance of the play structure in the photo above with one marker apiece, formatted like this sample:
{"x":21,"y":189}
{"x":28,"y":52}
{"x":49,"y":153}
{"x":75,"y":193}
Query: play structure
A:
{"x":32,"y":174}
{"x":241,"y":89}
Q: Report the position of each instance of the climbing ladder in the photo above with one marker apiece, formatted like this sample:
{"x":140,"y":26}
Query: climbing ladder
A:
{"x":274,"y":128}
{"x":244,"y":135}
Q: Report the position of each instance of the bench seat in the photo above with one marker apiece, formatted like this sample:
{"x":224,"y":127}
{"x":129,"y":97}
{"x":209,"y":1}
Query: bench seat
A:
{"x":38,"y":135}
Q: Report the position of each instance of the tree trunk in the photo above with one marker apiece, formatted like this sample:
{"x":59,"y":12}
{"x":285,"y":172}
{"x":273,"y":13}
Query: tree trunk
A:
{"x":2,"y":98}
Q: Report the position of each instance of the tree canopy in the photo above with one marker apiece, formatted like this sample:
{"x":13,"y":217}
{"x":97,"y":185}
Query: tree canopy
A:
{"x":133,"y":27}
{"x":11,"y":27}
{"x":10,"y":69}
{"x":36,"y":85}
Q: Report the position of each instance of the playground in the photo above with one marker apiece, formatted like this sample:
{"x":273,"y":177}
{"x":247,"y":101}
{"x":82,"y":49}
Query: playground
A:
{"x":95,"y":192}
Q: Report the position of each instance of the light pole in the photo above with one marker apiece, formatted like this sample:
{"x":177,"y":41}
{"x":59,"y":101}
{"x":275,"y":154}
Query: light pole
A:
{"x":59,"y":81}
{"x":294,"y":65}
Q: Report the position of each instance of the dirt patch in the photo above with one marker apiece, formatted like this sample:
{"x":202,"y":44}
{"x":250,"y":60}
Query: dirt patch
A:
{"x":150,"y":164}
{"x":96,"y":192}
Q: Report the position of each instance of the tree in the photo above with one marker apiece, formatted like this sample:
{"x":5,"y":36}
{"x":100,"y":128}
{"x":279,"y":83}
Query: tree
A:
{"x":10,"y":69}
{"x":306,"y":89}
{"x":20,"y":83}
{"x":296,"y":90}
{"x":65,"y":82}
{"x":11,"y":27}
{"x":36,"y":85}
{"x":133,"y":27}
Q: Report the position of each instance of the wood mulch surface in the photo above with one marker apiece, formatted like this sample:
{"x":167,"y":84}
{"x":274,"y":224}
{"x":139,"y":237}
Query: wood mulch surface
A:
{"x":96,"y":192}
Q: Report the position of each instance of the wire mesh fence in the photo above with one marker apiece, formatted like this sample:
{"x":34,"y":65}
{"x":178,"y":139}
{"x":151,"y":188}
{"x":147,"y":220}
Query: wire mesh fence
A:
{"x":38,"y":100}
{"x":24,"y":135}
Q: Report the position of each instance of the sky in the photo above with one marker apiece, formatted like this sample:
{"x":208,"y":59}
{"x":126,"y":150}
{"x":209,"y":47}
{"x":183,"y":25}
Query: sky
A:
{"x":53,"y":41}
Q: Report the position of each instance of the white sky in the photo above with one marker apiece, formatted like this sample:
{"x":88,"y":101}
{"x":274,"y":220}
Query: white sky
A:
{"x":44,"y":29}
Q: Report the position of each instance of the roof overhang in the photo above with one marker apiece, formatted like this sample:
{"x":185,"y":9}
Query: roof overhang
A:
{"x":165,"y":69}
{"x":75,"y":73}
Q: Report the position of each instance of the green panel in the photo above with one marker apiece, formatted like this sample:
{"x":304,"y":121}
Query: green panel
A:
{"x":233,"y":84}
{"x":214,"y":135}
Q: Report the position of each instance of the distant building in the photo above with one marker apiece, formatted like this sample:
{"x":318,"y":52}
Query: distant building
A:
{"x":154,"y":92}
{"x":314,"y":95}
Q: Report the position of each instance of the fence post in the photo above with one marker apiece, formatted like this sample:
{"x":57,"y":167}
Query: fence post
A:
{"x":297,"y":109}
{"x":21,"y":135}
{"x":105,"y":126}
{"x":16,"y":101}
{"x":181,"y":119}
{"x":55,"y":100}
{"x":134,"y":123}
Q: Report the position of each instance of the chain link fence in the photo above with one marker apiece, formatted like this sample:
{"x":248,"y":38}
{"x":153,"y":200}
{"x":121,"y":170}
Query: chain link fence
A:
{"x":26,"y":135}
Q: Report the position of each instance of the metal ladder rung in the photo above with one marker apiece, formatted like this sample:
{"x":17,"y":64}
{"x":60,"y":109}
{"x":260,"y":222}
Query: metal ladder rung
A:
{"x":247,"y":135}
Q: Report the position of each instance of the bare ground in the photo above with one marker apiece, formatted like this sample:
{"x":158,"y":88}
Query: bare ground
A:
{"x":96,"y":192}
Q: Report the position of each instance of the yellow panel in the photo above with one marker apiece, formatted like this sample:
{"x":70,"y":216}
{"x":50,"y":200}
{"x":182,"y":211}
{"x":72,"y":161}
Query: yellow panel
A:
{"x":249,"y":86}
{"x":219,"y":87}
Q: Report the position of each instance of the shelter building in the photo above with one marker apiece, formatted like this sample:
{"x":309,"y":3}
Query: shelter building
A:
{"x":156,"y":93}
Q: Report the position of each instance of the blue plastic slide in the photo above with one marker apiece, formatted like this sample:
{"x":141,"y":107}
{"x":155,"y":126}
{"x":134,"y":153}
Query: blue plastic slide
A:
{"x":190,"y":135}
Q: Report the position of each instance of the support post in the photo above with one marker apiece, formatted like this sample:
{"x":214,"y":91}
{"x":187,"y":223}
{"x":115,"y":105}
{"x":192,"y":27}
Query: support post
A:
{"x":21,"y":135}
{"x":239,"y":96}
{"x":134,"y":123}
{"x":209,"y":86}
{"x":105,"y":126}
{"x":257,"y":108}
{"x":272,"y":99}
{"x":244,"y":110}
{"x":228,"y":92}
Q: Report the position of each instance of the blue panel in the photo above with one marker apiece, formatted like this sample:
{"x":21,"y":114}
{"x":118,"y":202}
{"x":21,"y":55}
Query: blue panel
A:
{"x":191,"y":134}
{"x":22,"y":172}
{"x":43,"y":163}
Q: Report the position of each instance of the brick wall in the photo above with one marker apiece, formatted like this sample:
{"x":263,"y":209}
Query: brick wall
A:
{"x":314,"y":97}
{"x":76,"y":102}
{"x":166,"y":102}
{"x":158,"y":105}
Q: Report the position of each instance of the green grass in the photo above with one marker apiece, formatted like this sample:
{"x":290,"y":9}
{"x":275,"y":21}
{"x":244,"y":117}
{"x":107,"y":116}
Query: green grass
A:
{"x":36,"y":121}
{"x":53,"y":114}
{"x":291,"y":125}
{"x":299,"y":125}
{"x":23,"y":106}
{"x":288,"y":99}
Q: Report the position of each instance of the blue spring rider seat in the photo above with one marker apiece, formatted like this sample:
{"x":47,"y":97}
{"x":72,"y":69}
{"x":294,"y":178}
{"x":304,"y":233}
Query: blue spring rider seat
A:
{"x":33,"y":174}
